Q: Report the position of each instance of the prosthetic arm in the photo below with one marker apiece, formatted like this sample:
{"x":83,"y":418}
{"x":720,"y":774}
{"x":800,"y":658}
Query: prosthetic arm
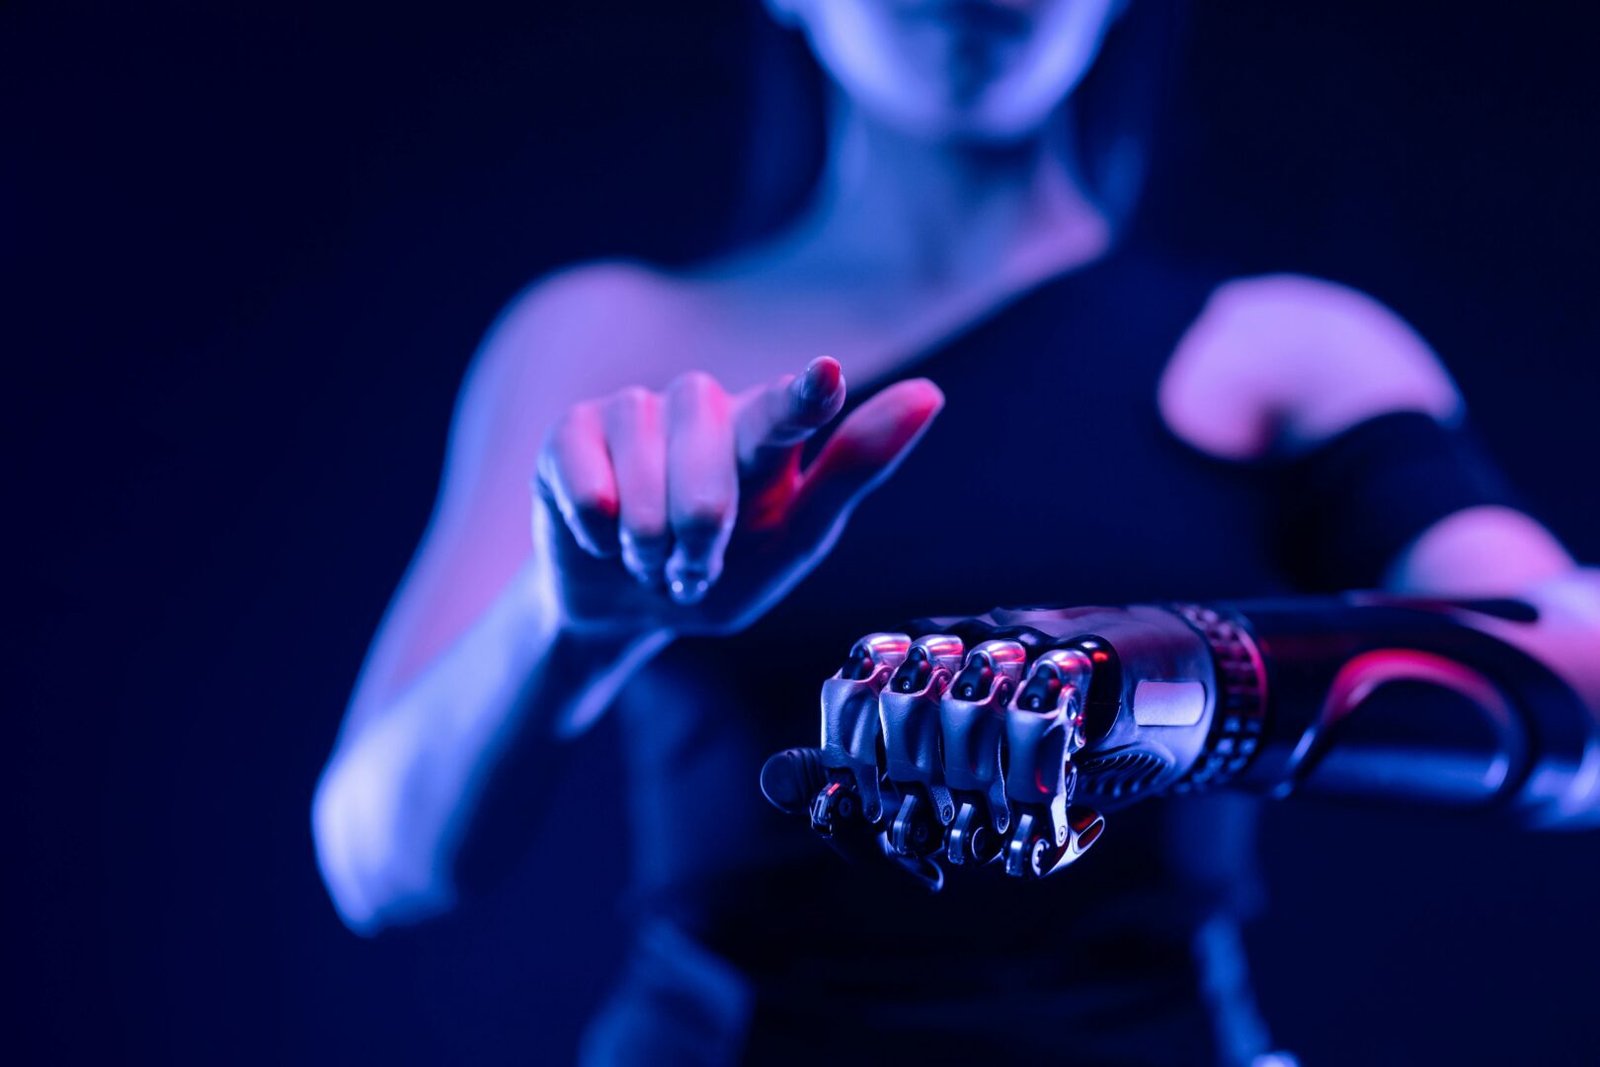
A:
{"x":1005,"y":737}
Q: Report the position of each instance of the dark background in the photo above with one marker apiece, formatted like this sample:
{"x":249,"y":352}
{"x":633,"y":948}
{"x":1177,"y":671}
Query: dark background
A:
{"x":246,"y":251}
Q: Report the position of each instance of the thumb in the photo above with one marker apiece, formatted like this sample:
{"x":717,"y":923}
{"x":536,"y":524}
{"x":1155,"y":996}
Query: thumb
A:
{"x":865,"y":450}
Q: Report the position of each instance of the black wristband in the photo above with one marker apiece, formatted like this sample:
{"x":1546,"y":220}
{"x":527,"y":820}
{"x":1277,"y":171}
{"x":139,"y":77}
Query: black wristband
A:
{"x":1349,"y":507}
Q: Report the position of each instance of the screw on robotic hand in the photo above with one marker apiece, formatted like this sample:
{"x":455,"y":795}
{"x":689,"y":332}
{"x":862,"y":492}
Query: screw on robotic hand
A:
{"x":1032,"y":854}
{"x":970,"y":839}
{"x":835,"y":805}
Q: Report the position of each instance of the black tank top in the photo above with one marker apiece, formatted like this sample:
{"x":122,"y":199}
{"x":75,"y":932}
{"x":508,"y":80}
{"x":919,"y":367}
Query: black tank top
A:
{"x":1048,"y":478}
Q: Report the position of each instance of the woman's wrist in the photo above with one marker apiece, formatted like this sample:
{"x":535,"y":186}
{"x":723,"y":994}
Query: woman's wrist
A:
{"x":589,"y":666}
{"x":544,"y":622}
{"x":576,"y":651}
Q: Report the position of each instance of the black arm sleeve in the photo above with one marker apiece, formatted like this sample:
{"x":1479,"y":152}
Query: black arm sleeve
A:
{"x":1348,"y":508}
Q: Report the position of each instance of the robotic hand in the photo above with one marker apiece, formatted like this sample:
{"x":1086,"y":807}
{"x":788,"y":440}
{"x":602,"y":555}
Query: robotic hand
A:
{"x":1004,"y":737}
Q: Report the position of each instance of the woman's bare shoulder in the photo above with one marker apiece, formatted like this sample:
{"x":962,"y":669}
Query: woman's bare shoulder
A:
{"x":590,"y":320}
{"x":1283,"y":361}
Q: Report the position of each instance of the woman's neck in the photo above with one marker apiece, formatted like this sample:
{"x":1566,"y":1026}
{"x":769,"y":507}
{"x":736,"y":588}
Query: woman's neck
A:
{"x":947,"y":216}
{"x":904,"y":243}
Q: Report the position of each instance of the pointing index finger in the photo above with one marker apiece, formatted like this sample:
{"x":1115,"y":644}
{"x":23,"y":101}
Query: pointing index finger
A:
{"x":779,"y":418}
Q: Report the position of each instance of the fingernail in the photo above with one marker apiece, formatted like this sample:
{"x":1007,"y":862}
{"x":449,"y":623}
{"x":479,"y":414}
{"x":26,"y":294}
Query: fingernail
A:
{"x":689,"y":590}
{"x":820,"y":380}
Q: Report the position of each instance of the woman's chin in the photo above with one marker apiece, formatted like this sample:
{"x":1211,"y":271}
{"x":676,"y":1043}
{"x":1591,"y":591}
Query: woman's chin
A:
{"x":963,"y":114}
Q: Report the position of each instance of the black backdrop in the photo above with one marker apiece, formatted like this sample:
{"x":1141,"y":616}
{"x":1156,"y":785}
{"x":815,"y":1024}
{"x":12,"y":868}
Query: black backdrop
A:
{"x":246,"y":250}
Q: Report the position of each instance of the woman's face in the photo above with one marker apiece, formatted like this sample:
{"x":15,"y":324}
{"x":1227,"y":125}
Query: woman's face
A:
{"x":987,"y":70}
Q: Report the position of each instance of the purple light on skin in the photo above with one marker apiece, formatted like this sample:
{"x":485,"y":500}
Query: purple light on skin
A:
{"x":1283,"y":361}
{"x":389,"y":809}
{"x":970,"y":71}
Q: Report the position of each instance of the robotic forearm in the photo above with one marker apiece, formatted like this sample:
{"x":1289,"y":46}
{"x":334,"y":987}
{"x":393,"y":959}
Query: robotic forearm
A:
{"x":1005,"y":736}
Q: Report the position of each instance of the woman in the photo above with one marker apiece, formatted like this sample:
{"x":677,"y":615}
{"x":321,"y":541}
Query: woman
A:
{"x":690,"y":562}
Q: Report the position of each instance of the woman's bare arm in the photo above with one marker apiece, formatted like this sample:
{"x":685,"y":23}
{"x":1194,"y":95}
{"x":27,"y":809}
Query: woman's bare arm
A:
{"x":471,"y":629}
{"x":498,"y":644}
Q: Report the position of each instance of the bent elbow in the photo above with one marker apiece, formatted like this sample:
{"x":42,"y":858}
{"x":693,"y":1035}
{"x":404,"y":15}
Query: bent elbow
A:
{"x":376,"y":875}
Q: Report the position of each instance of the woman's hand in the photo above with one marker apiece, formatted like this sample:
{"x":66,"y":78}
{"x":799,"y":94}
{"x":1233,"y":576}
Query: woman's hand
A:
{"x":686,"y":511}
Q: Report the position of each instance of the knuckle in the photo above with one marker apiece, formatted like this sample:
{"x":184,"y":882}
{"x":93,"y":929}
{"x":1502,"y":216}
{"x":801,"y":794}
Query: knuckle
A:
{"x":694,"y":386}
{"x":629,"y":402}
{"x":573,"y":422}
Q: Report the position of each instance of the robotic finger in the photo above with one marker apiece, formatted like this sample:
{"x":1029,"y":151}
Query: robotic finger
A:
{"x":1044,"y":730}
{"x":851,"y":732}
{"x":908,"y":710}
{"x":972,"y":722}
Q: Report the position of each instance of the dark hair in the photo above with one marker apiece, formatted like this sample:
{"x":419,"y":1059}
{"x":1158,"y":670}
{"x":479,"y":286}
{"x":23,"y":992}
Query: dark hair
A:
{"x":1116,"y":110}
